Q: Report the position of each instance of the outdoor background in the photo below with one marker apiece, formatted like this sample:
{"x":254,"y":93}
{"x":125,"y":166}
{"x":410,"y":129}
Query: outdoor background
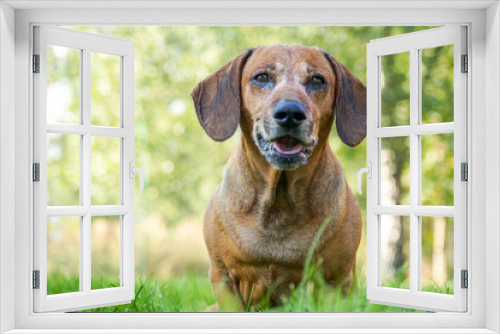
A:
{"x":183,"y":166}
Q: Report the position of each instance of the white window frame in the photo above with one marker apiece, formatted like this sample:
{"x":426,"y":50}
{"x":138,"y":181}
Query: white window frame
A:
{"x":483,"y":21}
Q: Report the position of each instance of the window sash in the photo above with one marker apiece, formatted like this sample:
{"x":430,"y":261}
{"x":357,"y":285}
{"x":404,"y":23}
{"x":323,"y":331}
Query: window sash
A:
{"x":86,"y":297}
{"x":413,"y":43}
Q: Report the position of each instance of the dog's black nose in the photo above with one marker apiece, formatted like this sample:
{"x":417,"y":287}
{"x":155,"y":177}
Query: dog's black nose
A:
{"x":289,"y":114}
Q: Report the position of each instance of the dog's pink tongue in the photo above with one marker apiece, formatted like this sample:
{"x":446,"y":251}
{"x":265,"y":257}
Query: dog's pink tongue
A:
{"x":287,"y":145}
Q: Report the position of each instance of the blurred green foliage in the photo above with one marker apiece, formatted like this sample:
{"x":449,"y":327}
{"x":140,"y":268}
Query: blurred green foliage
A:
{"x":437,"y":84}
{"x":63,"y":85}
{"x":105,"y":89}
{"x":63,"y":253}
{"x":183,"y":166}
{"x":395,"y":95}
{"x":63,"y":166}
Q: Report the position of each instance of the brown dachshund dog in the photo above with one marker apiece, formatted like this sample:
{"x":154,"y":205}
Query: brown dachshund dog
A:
{"x":283,"y":181}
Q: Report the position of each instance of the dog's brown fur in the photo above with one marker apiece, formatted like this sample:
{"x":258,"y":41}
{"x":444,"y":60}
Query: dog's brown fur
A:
{"x":260,"y":222}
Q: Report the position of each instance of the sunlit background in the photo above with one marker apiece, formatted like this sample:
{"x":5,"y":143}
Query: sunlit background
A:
{"x":183,"y":166}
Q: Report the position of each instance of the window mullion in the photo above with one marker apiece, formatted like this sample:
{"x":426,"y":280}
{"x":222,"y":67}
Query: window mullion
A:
{"x":85,"y":251}
{"x":414,"y":169}
{"x":81,"y":270}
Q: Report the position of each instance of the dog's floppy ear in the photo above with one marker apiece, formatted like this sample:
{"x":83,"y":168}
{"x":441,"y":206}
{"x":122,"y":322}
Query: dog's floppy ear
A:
{"x":350,"y":104}
{"x":217,"y":99}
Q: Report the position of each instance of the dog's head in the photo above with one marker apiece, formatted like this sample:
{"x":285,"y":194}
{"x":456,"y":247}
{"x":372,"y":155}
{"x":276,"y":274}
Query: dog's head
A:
{"x":288,"y":96}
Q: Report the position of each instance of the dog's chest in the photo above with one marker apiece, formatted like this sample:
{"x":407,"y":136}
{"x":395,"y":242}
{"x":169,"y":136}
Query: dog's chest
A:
{"x":283,"y":247}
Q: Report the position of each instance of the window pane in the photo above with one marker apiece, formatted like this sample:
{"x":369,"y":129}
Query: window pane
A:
{"x":105,"y":89}
{"x":395,"y":89}
{"x":437,"y":254}
{"x":105,"y":248}
{"x":437,"y":169}
{"x":437,"y":84}
{"x":105,"y":171}
{"x":63,"y":170}
{"x":395,"y":251}
{"x":63,"y":255}
{"x":395,"y":171}
{"x":63,"y":85}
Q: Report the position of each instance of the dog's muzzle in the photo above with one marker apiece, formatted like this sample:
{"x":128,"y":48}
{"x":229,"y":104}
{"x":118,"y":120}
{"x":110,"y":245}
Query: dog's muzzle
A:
{"x":286,"y":142}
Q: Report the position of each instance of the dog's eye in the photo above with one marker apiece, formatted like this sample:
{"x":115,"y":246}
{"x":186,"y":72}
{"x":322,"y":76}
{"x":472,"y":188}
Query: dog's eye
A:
{"x":262,"y":78}
{"x":317,"y":81}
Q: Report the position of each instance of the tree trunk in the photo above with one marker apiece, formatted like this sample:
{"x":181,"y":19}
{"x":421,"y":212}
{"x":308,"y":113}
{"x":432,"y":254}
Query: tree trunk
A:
{"x":438,"y":255}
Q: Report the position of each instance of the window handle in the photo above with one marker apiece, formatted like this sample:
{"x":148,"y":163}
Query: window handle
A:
{"x":133,"y":170}
{"x":368,"y":171}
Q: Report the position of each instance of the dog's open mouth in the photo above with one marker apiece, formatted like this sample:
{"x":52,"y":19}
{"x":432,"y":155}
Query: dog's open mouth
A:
{"x":287,"y":145}
{"x":285,"y":152}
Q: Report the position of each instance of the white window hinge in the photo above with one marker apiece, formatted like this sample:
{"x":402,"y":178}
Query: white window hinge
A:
{"x":36,"y":63}
{"x":465,"y":64}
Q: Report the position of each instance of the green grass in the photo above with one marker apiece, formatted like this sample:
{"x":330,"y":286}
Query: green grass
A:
{"x":192,"y":293}
{"x":58,"y":283}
